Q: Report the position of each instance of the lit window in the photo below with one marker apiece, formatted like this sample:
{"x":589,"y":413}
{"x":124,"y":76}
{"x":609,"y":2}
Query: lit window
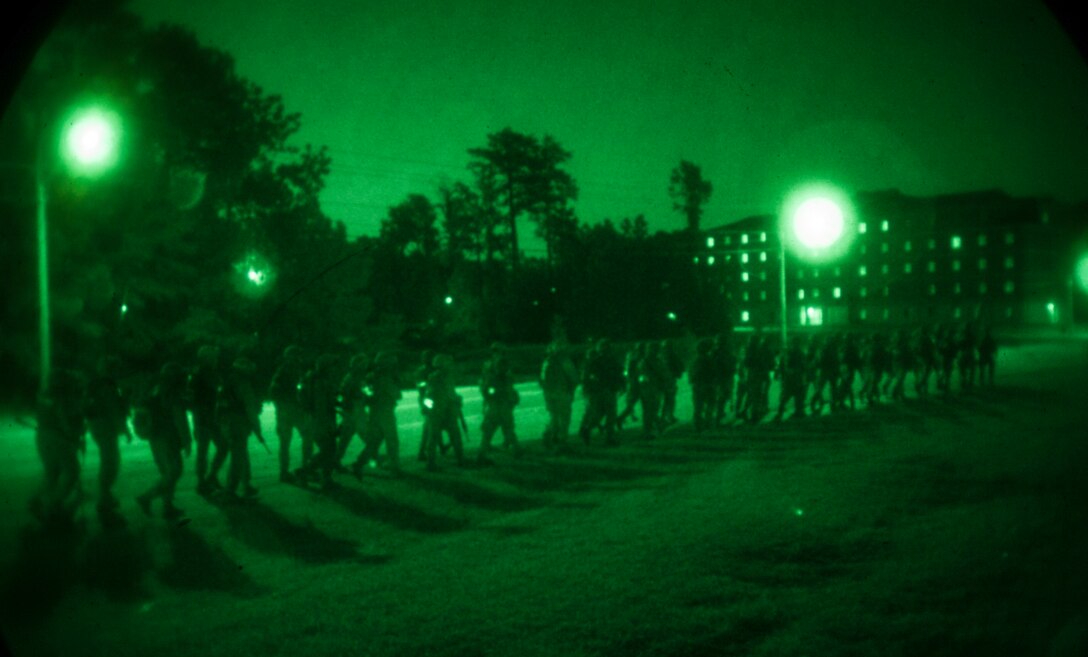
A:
{"x":906,"y":246}
{"x":838,"y":271}
{"x":744,"y":238}
{"x":886,"y":313}
{"x":862,"y":271}
{"x":863,"y":314}
{"x":982,"y":288}
{"x":745,"y":296}
{"x":982,"y":240}
{"x":885,"y":290}
{"x":957,"y":312}
{"x":837,"y":293}
{"x":728,"y":240}
{"x":955,"y":265}
{"x":1008,"y":263}
{"x":883,"y":247}
{"x":763,"y":256}
{"x":800,"y":274}
{"x":862,"y":227}
{"x":932,"y":266}
{"x":982,"y":263}
{"x":864,"y":292}
{"x":884,"y":268}
{"x":744,"y":276}
{"x":763,"y":237}
{"x":906,"y":268}
{"x":1009,"y":238}
{"x":932,"y":244}
{"x":801,"y":295}
{"x":763,"y":295}
{"x":932,"y":290}
{"x":864,"y":249}
{"x":696,"y":259}
{"x":710,"y":242}
{"x":710,"y":260}
{"x":744,"y":258}
{"x":744,"y":315}
{"x":816,"y":293}
{"x":815,"y":273}
{"x":728,"y":257}
{"x":1009,"y":287}
{"x":956,"y":289}
{"x":956,"y":242}
{"x":884,"y":225}
{"x":763,"y":275}
{"x":1008,"y":313}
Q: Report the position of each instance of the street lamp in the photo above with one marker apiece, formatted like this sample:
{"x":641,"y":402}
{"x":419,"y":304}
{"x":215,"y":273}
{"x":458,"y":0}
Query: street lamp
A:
{"x":817,"y":225}
{"x":89,"y":145}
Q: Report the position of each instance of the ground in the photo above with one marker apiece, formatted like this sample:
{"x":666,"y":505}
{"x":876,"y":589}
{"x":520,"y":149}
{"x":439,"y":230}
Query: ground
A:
{"x":939,"y":527}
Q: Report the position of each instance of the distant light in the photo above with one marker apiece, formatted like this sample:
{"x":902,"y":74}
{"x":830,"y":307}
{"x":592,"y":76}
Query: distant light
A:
{"x":837,"y":292}
{"x":449,"y":300}
{"x":671,"y":316}
{"x":91,"y":140}
{"x":956,"y":242}
{"x":428,"y":402}
{"x":798,"y":512}
{"x":256,"y":277}
{"x":1050,"y":307}
{"x":744,"y":316}
{"x":553,"y":290}
{"x":818,"y":223}
{"x":710,"y":260}
{"x":862,"y":227}
{"x":1082,"y":272}
{"x":710,"y":242}
{"x":124,"y":308}
{"x":884,"y":225}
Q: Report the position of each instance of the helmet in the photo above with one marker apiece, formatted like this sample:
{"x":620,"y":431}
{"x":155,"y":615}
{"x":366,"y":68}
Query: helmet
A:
{"x":244,"y":365}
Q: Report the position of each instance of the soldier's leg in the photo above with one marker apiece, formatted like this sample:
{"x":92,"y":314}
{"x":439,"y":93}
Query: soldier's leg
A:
{"x":509,"y":435}
{"x":487,"y":430}
{"x":171,"y":475}
{"x":67,"y":493}
{"x":221,"y":440}
{"x":160,"y":456}
{"x":202,"y":438}
{"x":109,"y":454}
{"x":392,"y":442}
{"x":238,"y":434}
{"x":41,"y":504}
{"x":285,"y":430}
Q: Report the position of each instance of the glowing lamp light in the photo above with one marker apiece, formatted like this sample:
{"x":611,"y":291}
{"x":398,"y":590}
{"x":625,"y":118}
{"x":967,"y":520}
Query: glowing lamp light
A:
{"x":91,"y":140}
{"x":818,"y":223}
{"x":428,"y":402}
{"x":672,"y":317}
{"x":256,"y":277}
{"x":1082,"y":272}
{"x":124,"y":308}
{"x":798,"y":512}
{"x":449,"y":301}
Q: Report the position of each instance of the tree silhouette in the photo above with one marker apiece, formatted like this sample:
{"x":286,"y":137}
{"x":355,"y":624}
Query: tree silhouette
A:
{"x":689,"y":191}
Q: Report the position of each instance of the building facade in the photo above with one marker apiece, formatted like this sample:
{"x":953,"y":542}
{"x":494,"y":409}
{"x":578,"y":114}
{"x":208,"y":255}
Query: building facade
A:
{"x":981,"y":255}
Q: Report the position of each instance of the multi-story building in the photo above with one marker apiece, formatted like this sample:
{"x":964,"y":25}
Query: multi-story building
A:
{"x":981,"y":255}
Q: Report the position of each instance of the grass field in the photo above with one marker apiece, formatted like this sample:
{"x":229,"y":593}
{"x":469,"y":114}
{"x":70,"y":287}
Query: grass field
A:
{"x":942,"y":527}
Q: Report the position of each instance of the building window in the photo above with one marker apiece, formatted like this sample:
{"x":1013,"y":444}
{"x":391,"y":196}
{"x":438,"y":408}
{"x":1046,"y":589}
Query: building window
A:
{"x":696,"y":259}
{"x":863,"y":313}
{"x":815,"y":273}
{"x":763,"y":295}
{"x":1009,"y":239}
{"x":745,"y":296}
{"x":956,"y":289}
{"x":864,"y":292}
{"x":955,"y":265}
{"x":1008,"y":263}
{"x":744,"y":238}
{"x":884,"y":268}
{"x":862,"y":228}
{"x":884,"y":225}
{"x":744,"y":276}
{"x":982,"y":240}
{"x":837,"y":293}
{"x":816,"y":293}
{"x":744,"y":315}
{"x":982,"y":263}
{"x":906,"y":246}
{"x":932,"y":266}
{"x":886,"y":313}
{"x":957,"y":312}
{"x":801,"y":294}
{"x":763,"y":237}
{"x":1009,"y":287}
{"x":862,"y":271}
{"x":710,"y":242}
{"x":932,"y":244}
{"x":864,"y":249}
{"x":982,"y":288}
{"x":932,"y":290}
{"x":728,"y":240}
{"x":956,"y":242}
{"x":763,"y":256}
{"x":906,"y":268}
{"x":884,"y":291}
{"x":1008,"y":313}
{"x":729,"y":257}
{"x":710,"y":260}
{"x":763,"y":275}
{"x":883,"y":247}
{"x":838,"y":271}
{"x":744,"y":258}
{"x":800,"y":274}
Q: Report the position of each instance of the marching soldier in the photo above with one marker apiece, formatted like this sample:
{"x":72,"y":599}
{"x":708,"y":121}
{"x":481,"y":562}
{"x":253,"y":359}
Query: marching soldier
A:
{"x":500,"y":397}
{"x":602,"y":380}
{"x":674,"y":367}
{"x":353,"y":406}
{"x":59,"y":440}
{"x":631,"y":394}
{"x":107,"y":420}
{"x":319,"y":398}
{"x":204,"y":384}
{"x":653,"y":384}
{"x":558,"y":380}
{"x":284,"y":393}
{"x":702,"y":380}
{"x":987,"y":358}
{"x":423,"y":374}
{"x":445,"y":411}
{"x":162,"y":422}
{"x":791,"y":371}
{"x":725,"y":369}
{"x":239,"y":411}
{"x":382,"y":393}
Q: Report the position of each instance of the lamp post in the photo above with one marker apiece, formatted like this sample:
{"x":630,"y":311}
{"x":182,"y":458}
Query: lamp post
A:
{"x":89,"y":142}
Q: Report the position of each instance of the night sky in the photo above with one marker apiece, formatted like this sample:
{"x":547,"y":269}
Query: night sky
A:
{"x":924,"y":96}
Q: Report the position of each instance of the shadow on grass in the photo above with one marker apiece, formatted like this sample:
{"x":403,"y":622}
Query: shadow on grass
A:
{"x":553,"y":474}
{"x":466,"y":491}
{"x":260,"y":527}
{"x":391,"y":512}
{"x":115,"y":562}
{"x":196,"y":565}
{"x":45,"y":569}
